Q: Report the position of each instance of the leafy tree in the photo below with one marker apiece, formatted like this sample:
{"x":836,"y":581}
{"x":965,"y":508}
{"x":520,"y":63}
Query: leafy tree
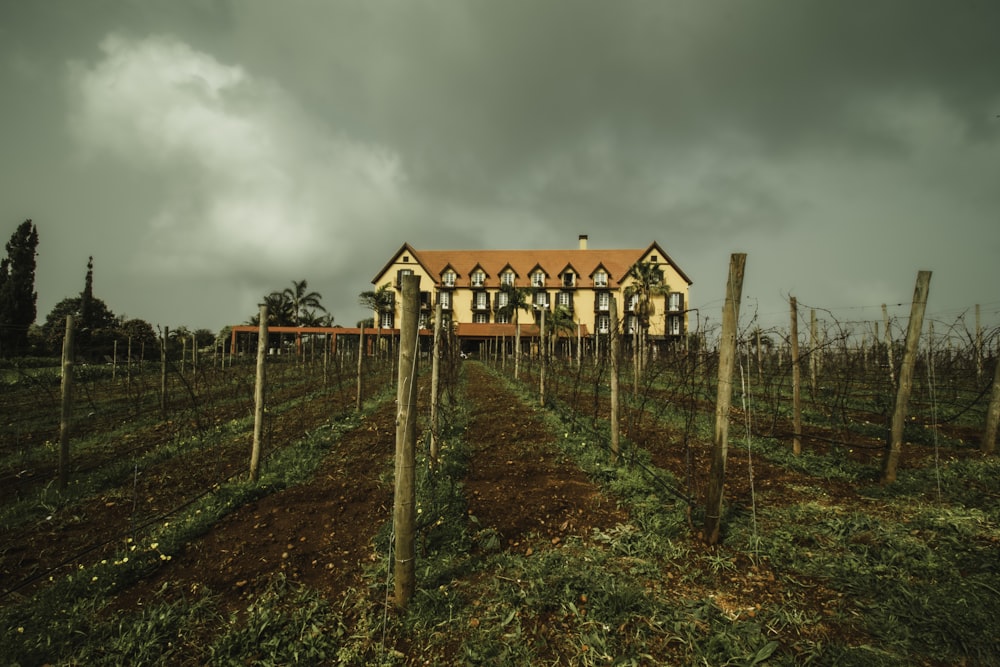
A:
{"x":18,"y":297}
{"x":518,"y":299}
{"x":93,"y":332}
{"x":140,"y":331}
{"x":300,"y":300}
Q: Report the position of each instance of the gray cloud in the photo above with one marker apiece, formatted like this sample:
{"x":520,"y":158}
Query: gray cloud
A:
{"x":244,"y":144}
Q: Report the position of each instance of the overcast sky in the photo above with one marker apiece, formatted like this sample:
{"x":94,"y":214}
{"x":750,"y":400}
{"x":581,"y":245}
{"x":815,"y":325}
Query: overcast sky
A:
{"x":206,"y":153}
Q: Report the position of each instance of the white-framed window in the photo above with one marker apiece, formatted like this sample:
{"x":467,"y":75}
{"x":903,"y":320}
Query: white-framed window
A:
{"x":674,"y":301}
{"x":386,"y":320}
{"x":631,"y":324}
{"x":569,"y":279}
{"x":603,"y":324}
{"x":603,"y":301}
{"x":482,"y":301}
{"x":503,"y":298}
{"x":633,"y":302}
{"x":541,"y":299}
{"x":601,"y":278}
{"x":424,"y":322}
{"x":674,"y":325}
{"x":538,"y":279}
{"x":448,"y":278}
{"x":507,"y":278}
{"x":481,"y":318}
{"x":564,"y":299}
{"x":444,"y":298}
{"x":478,"y":278}
{"x":503,"y":318}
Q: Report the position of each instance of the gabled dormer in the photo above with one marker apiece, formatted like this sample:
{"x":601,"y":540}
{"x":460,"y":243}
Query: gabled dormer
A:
{"x":537,"y":277}
{"x":449,"y":276}
{"x":508,"y":276}
{"x":568,"y":277}
{"x":601,"y":277}
{"x":478,"y":277}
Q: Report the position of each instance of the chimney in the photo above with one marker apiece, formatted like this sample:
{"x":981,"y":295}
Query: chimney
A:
{"x":583,"y":241}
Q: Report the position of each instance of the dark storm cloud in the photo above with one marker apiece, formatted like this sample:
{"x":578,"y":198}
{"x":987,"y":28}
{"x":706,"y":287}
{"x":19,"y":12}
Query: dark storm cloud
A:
{"x":807,"y":131}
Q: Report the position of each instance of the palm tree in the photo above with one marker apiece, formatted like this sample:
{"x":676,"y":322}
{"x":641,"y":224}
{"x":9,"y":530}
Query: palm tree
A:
{"x":279,"y":310}
{"x":378,"y":300}
{"x":518,"y":299}
{"x":647,"y":282}
{"x":561,"y":321}
{"x":301,"y":300}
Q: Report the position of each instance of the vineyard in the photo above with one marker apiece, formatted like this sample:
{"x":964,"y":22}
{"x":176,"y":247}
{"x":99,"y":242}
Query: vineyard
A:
{"x":542,"y":536}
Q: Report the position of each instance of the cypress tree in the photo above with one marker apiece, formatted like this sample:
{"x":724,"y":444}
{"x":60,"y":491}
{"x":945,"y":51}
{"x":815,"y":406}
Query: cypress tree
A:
{"x":18,"y":297}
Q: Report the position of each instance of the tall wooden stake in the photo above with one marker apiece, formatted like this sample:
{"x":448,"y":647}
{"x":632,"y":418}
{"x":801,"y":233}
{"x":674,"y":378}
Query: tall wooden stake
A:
{"x":979,"y":345}
{"x":891,"y":460}
{"x":543,"y":350}
{"x":796,"y":381}
{"x":361,"y":379}
{"x":888,"y":345}
{"x":614,"y":354}
{"x":813,"y":352}
{"x":404,"y":501}
{"x":163,"y":372}
{"x":66,"y":411}
{"x":258,"y":395}
{"x":435,"y":379}
{"x":727,"y":358}
{"x":989,"y":443}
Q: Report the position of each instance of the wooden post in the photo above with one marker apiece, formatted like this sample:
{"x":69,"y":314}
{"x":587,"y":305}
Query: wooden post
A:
{"x":326,"y":358}
{"x":891,"y":460}
{"x":796,"y":382}
{"x":435,"y":390}
{"x":361,"y":380}
{"x":543,"y":350}
{"x":727,"y":357}
{"x":128,"y":366}
{"x":888,"y":345}
{"x":615,"y":344}
{"x":813,"y":352}
{"x":760,"y":357}
{"x":979,"y":345}
{"x":989,"y":443}
{"x":258,"y":395}
{"x":163,"y":372}
{"x":66,"y":411}
{"x":404,"y":502}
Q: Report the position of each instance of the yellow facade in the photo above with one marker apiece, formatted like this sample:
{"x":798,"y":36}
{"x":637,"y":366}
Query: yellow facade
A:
{"x":581,"y":281}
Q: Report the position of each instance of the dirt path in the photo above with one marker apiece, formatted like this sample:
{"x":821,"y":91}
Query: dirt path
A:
{"x":519,"y":482}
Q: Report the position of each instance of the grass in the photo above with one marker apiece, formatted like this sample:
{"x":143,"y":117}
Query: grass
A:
{"x":902,"y":576}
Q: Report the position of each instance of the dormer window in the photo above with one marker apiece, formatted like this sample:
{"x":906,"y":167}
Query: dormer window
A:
{"x":569,"y":279}
{"x":538,"y":279}
{"x":478,"y":278}
{"x":507,"y":278}
{"x":448,"y":278}
{"x":601,"y":278}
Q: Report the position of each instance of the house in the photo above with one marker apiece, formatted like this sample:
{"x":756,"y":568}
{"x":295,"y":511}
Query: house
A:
{"x":579,"y":283}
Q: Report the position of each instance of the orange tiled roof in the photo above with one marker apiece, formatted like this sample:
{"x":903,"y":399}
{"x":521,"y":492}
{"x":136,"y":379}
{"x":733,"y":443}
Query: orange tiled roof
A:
{"x":616,"y":262}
